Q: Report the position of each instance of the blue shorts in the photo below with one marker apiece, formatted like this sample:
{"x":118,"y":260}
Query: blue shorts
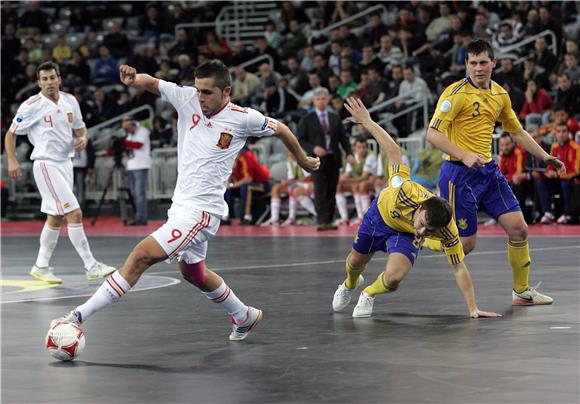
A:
{"x":468,"y":190}
{"x":375,"y":235}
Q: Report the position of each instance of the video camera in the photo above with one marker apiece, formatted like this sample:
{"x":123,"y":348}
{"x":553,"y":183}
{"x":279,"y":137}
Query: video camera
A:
{"x":117,"y":148}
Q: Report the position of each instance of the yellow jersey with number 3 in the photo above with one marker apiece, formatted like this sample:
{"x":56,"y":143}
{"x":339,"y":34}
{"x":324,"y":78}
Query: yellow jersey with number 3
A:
{"x":467,"y":115}
{"x":398,"y":202}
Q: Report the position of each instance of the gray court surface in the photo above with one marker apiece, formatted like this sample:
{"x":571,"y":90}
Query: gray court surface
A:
{"x":169,"y":344}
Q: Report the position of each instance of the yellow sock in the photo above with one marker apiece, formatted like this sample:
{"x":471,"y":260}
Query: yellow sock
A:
{"x":519,"y":258}
{"x":433,"y":245}
{"x":352,"y":274}
{"x":378,"y":286}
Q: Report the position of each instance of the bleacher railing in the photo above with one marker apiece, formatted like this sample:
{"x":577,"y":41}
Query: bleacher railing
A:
{"x":326,"y":30}
{"x":553,"y":46}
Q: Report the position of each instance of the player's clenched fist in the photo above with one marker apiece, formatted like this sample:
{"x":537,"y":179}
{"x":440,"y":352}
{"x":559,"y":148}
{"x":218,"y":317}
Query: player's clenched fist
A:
{"x":311,"y":164}
{"x":127,"y":74}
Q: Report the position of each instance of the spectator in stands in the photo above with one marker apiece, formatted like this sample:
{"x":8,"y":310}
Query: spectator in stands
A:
{"x":291,"y":12}
{"x":244,"y":87}
{"x":347,"y":64}
{"x":249,"y":179}
{"x":124,"y":103}
{"x":322,"y":69}
{"x":117,"y":41}
{"x":241,"y":54}
{"x":356,"y":179}
{"x":534,"y":72}
{"x":376,"y":30}
{"x":179,"y":16}
{"x":568,"y":95}
{"x":79,"y":68}
{"x":415,"y":90}
{"x":104,"y":108}
{"x":278,"y":101}
{"x":144,"y":61}
{"x":33,"y":20}
{"x":535,"y":170}
{"x":505,"y":36}
{"x":547,"y":22}
{"x":308,"y":96}
{"x":217,"y":48}
{"x":297,"y":78}
{"x":162,"y":134}
{"x":508,"y":72}
{"x":152,"y":25}
{"x":481,"y":27}
{"x":517,"y":96}
{"x":335,"y":57}
{"x":337,"y":104}
{"x":34,"y":50}
{"x":183,"y":45}
{"x":440,"y":24}
{"x":266,"y":73}
{"x":321,"y":16}
{"x":568,"y":151}
{"x":395,"y":82}
{"x":29,"y":84}
{"x":295,"y":39}
{"x":321,"y":133}
{"x":90,"y":49}
{"x":185,"y":72}
{"x":272,"y":35}
{"x":512,"y":160}
{"x":532,"y":26}
{"x":105,"y":68}
{"x":377,"y":89}
{"x":369,"y":58}
{"x":83,"y":167}
{"x":166,"y":72}
{"x":79,"y":19}
{"x":307,"y":63}
{"x":560,"y":116}
{"x":544,"y":56}
{"x":138,"y":151}
{"x":10,"y":43}
{"x":389,"y":54}
{"x":536,"y":108}
{"x":347,"y":84}
{"x":262,"y":48}
{"x":333,"y":84}
{"x":571,"y":67}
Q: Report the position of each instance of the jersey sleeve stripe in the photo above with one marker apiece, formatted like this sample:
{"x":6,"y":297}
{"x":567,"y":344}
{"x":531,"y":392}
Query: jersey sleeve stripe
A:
{"x":458,"y":87}
{"x":405,"y":200}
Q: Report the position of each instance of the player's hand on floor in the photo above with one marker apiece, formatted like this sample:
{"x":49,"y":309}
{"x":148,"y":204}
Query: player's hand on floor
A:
{"x":127,"y":74}
{"x":553,"y":161}
{"x":311,"y":164}
{"x":484,"y":314}
{"x":473,"y":160}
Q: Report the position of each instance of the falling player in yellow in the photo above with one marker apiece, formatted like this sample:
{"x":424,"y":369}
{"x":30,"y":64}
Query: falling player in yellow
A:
{"x":462,"y":126}
{"x":398,"y":222}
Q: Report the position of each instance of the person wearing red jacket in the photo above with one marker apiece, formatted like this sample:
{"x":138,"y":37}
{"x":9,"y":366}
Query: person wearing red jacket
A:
{"x":568,"y":151}
{"x":537,"y":104}
{"x":511,"y":164}
{"x":249,"y":178}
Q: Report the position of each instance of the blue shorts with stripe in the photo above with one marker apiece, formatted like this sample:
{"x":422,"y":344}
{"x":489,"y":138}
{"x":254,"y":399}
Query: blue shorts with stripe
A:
{"x":468,"y":190}
{"x":375,"y":235}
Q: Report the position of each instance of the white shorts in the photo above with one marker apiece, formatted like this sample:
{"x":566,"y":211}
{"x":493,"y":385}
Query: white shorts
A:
{"x":185,"y":234}
{"x":54,"y":180}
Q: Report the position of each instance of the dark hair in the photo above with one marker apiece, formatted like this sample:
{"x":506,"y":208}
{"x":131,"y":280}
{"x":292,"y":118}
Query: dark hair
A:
{"x":504,"y":135}
{"x":47,"y":66}
{"x":437,"y":212}
{"x":214,"y":69}
{"x":480,"y":46}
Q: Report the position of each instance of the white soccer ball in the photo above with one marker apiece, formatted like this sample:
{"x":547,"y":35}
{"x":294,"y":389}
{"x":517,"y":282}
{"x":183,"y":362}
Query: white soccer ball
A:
{"x":65,"y":341}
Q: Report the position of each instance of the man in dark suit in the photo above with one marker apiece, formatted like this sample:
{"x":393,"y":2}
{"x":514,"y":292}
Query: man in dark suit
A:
{"x":321,"y":133}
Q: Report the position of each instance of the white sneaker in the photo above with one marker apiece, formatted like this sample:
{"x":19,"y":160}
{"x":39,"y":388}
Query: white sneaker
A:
{"x":99,"y":271}
{"x":343,"y":294}
{"x":270,"y":222}
{"x":73,"y":317}
{"x":548,"y":218}
{"x":564,"y":219}
{"x":364,"y":307}
{"x":44,"y":274}
{"x":289,"y":222}
{"x":530,"y":297}
{"x":241,"y":330}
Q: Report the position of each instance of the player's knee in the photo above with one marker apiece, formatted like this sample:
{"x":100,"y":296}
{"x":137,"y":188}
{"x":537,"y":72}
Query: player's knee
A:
{"x":76,"y":216}
{"x":518,"y":231}
{"x":140,"y":259}
{"x":468,"y":245}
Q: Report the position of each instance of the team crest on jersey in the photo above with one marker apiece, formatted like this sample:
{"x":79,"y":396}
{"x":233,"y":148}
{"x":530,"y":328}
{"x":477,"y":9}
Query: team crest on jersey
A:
{"x":225,"y":140}
{"x":69,"y":116}
{"x":462,"y":223}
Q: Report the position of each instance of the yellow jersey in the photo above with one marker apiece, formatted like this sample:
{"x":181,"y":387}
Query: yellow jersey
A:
{"x":467,"y":115}
{"x":398,"y":202}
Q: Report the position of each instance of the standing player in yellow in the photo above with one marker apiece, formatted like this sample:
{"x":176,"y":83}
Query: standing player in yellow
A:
{"x":462,"y":126}
{"x":397,"y":222}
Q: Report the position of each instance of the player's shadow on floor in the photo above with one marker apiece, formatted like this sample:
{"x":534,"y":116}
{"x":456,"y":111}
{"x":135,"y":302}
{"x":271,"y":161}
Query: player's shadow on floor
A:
{"x":202,"y":368}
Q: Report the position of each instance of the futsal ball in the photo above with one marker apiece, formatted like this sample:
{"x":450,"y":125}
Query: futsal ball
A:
{"x":65,"y":341}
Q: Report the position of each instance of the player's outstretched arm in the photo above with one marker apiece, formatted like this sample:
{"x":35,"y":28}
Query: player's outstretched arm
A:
{"x":439,"y":141}
{"x":14,"y":170}
{"x":129,"y":77}
{"x":310,"y":164}
{"x":524,"y":139}
{"x":359,"y":114}
{"x":463,"y":279}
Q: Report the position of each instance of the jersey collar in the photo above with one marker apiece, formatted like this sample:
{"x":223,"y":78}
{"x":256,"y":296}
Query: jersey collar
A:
{"x":221,"y":109}
{"x":470,"y":81}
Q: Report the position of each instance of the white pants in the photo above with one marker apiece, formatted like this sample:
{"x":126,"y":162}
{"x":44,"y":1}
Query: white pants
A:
{"x":54,"y":180}
{"x":185,"y":234}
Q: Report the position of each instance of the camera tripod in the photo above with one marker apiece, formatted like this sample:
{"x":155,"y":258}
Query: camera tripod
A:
{"x":117,"y":167}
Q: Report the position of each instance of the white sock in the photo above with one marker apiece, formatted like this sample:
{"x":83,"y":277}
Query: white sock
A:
{"x":229,"y":301}
{"x":275,"y":207}
{"x":358,"y":205}
{"x":342,"y":208}
{"x":114,"y":287}
{"x":365,"y":201}
{"x":292,"y":205}
{"x":48,"y":240}
{"x":77,"y":237}
{"x":307,"y":204}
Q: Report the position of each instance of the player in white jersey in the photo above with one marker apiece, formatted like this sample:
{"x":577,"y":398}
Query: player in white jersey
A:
{"x":211,"y":131}
{"x":49,"y":119}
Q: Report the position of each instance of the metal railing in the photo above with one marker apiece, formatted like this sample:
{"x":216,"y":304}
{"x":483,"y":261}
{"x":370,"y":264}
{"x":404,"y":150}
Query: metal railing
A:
{"x":553,"y":46}
{"x":95,"y":132}
{"x":354,"y":17}
{"x":254,"y":61}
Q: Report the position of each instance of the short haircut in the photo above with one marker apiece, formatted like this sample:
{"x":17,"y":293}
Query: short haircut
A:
{"x":217,"y":70}
{"x":532,"y":127}
{"x":437,"y":212}
{"x":320,"y":91}
{"x":506,"y":135}
{"x":46,"y":66}
{"x":480,"y":46}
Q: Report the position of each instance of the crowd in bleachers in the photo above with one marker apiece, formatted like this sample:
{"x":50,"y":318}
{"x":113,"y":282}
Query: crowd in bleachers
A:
{"x":413,"y":51}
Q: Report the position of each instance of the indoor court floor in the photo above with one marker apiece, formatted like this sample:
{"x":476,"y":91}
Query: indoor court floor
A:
{"x":166,"y":343}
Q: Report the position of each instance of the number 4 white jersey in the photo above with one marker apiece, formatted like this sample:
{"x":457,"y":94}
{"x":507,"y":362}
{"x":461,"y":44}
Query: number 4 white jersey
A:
{"x":49,"y":125}
{"x":207,"y":147}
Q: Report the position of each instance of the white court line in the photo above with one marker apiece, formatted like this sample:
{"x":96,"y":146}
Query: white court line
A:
{"x":560,"y":328}
{"x":299,"y":264}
